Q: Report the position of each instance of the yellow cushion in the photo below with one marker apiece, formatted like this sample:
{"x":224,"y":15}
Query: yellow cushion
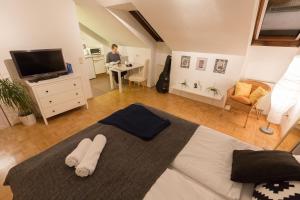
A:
{"x":256,"y":94}
{"x":242,"y":89}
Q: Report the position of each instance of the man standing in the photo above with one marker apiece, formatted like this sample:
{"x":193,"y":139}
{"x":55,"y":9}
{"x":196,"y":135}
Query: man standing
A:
{"x":114,"y":57}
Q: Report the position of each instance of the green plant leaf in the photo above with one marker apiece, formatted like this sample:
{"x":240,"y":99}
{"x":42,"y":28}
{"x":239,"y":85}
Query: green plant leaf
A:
{"x":15,"y":95}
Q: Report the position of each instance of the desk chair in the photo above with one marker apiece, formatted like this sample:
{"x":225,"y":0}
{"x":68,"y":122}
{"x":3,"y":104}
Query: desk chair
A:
{"x":140,"y":76}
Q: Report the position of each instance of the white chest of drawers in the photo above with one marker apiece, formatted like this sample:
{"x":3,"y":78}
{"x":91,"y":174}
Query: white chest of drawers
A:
{"x":58,"y":95}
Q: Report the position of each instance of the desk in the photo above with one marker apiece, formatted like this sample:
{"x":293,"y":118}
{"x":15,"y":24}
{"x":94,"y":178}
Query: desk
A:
{"x":119,"y":69}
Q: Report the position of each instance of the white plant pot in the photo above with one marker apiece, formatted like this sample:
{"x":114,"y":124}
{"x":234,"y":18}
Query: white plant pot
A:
{"x":28,"y":120}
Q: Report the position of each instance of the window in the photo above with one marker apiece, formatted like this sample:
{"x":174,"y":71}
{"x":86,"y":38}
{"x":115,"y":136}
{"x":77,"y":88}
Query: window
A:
{"x":277,"y":23}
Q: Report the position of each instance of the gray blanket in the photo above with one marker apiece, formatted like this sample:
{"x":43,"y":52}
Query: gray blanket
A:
{"x":126,"y":170}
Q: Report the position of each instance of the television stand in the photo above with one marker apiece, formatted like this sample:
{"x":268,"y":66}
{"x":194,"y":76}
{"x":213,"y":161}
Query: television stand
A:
{"x":41,"y":78}
{"x":57,"y":95}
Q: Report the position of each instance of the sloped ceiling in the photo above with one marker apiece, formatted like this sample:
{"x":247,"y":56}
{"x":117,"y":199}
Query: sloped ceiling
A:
{"x":216,"y":26}
{"x":96,"y":18}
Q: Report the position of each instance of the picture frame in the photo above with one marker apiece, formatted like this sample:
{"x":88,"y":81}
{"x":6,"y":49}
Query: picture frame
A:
{"x":201,"y":64}
{"x":185,"y":61}
{"x":220,"y":66}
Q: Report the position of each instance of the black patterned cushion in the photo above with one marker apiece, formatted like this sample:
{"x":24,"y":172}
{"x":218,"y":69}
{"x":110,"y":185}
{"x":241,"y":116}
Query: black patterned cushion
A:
{"x":285,"y":190}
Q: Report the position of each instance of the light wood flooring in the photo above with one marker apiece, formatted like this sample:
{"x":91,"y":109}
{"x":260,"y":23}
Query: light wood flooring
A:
{"x":19,"y":142}
{"x":100,"y":85}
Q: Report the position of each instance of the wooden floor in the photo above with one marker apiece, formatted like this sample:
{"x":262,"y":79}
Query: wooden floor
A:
{"x":100,"y":85}
{"x":19,"y":142}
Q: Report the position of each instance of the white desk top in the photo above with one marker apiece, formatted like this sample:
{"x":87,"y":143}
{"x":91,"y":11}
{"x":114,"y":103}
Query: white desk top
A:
{"x":123,"y":67}
{"x":197,"y":91}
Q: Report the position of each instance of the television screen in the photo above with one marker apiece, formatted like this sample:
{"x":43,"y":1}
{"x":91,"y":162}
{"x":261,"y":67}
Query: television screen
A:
{"x":38,"y":62}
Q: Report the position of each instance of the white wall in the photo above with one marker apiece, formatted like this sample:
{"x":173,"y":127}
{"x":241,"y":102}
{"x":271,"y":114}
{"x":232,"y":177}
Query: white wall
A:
{"x":267,"y":63}
{"x":135,"y":54}
{"x":136,"y":29}
{"x":108,"y":3}
{"x":98,"y":19}
{"x":92,"y":39}
{"x":91,"y":42}
{"x":42,"y":24}
{"x":221,"y":26}
{"x":207,"y":78}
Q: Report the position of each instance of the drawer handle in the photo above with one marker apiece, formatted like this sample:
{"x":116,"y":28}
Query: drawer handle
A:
{"x":47,"y":91}
{"x":78,"y":102}
{"x":53,"y":111}
{"x":74,"y":84}
{"x":50,"y":101}
{"x":76,"y":93}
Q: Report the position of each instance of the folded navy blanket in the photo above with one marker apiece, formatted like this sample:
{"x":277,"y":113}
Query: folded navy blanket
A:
{"x":137,"y":120}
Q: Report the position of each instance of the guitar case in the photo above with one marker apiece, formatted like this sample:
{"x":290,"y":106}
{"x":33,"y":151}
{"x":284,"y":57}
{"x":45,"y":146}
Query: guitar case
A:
{"x":162,"y":85}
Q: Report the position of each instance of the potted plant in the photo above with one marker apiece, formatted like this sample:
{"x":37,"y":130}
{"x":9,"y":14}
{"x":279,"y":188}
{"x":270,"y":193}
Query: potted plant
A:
{"x":214,"y":90}
{"x":184,"y":84}
{"x":14,"y":95}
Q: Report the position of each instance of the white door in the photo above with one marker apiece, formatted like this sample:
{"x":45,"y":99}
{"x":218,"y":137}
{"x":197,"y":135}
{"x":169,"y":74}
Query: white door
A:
{"x":99,"y":65}
{"x":90,"y":64}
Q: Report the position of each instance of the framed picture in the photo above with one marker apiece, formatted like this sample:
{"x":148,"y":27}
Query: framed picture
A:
{"x":220,"y":66}
{"x":201,"y":64}
{"x":185,"y":61}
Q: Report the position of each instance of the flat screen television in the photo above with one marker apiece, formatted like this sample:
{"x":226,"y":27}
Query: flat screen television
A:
{"x":38,"y":63}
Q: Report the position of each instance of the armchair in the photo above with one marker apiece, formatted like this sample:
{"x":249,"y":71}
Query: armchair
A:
{"x":243,"y":103}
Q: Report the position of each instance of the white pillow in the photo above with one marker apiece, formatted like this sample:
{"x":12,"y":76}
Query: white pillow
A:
{"x":207,"y":158}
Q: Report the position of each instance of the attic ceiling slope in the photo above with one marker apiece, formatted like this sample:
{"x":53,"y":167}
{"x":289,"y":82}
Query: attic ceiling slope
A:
{"x":96,"y":18}
{"x":218,"y":26}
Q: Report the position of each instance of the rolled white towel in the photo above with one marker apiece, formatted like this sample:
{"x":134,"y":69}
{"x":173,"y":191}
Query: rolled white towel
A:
{"x":88,"y":164}
{"x":74,"y":158}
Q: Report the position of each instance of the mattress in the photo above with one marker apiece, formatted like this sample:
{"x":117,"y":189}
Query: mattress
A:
{"x":175,"y":185}
{"x":202,"y":170}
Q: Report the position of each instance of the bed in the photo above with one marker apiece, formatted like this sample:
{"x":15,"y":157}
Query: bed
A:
{"x":202,"y":170}
{"x":184,"y":161}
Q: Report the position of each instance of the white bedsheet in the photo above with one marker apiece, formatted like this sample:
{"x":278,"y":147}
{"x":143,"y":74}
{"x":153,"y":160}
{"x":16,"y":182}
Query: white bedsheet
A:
{"x":173,"y":185}
{"x":207,"y":158}
{"x":202,"y":170}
